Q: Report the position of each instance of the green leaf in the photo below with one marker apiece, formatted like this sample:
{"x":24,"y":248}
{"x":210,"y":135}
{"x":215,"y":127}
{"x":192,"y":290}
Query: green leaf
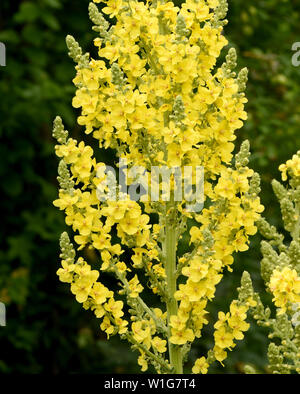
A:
{"x":28,"y":12}
{"x":50,"y":21}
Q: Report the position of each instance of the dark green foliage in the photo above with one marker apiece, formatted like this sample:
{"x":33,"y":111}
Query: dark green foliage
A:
{"x":47,"y":331}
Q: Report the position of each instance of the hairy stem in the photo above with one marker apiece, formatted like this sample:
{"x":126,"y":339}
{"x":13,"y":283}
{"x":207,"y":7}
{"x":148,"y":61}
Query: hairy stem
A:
{"x":170,"y":244}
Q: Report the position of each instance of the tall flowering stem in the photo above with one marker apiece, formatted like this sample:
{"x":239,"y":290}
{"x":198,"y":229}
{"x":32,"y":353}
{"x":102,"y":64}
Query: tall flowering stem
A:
{"x":156,"y":98}
{"x":280,"y":269}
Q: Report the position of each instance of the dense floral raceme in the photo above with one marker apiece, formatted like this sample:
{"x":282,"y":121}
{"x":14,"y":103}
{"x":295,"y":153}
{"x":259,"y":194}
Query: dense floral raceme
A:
{"x":280,"y":268}
{"x":156,"y":97}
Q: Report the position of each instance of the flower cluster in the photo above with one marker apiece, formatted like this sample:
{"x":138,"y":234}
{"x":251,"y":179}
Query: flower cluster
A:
{"x":89,"y":291}
{"x":285,"y":287}
{"x":155,"y":97}
{"x":280,"y":269}
{"x":291,"y":166}
{"x":230,"y":326}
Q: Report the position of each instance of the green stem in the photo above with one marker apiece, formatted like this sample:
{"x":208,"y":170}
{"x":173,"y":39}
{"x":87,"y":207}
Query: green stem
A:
{"x":156,"y":358}
{"x":296,"y":230}
{"x":139,"y":300}
{"x":175,"y":353}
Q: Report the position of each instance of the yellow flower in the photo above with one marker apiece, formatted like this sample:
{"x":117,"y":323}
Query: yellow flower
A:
{"x":115,"y":308}
{"x":65,"y":200}
{"x":225,"y":188}
{"x":177,"y":323}
{"x":107,"y":326}
{"x":240,"y":241}
{"x":113,"y":7}
{"x":143,"y":362}
{"x":181,"y":337}
{"x":141,"y":332}
{"x":101,"y":241}
{"x":285,"y":286}
{"x":100,"y":293}
{"x":196,"y":271}
{"x":195,"y":291}
{"x":106,"y":258}
{"x":238,"y":326}
{"x":175,"y":155}
{"x":222,"y":318}
{"x":83,"y":224}
{"x":130,"y":225}
{"x":122,"y":326}
{"x":121,"y":267}
{"x":159,"y":344}
{"x":223,"y":338}
{"x":220,"y":354}
{"x":66,"y":273}
{"x":135,"y":287}
{"x":200,"y":366}
{"x":135,"y":67}
{"x":110,"y":52}
{"x":81,"y":288}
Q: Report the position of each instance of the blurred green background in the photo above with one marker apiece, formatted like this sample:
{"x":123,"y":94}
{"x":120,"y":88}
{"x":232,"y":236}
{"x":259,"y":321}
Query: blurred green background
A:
{"x":47,"y":331}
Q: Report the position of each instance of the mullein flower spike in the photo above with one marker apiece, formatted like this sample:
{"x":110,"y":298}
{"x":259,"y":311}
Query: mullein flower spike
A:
{"x":280,"y":269}
{"x":155,"y":96}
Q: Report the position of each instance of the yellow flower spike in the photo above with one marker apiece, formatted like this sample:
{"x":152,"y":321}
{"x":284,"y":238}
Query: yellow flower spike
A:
{"x":156,"y":97}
